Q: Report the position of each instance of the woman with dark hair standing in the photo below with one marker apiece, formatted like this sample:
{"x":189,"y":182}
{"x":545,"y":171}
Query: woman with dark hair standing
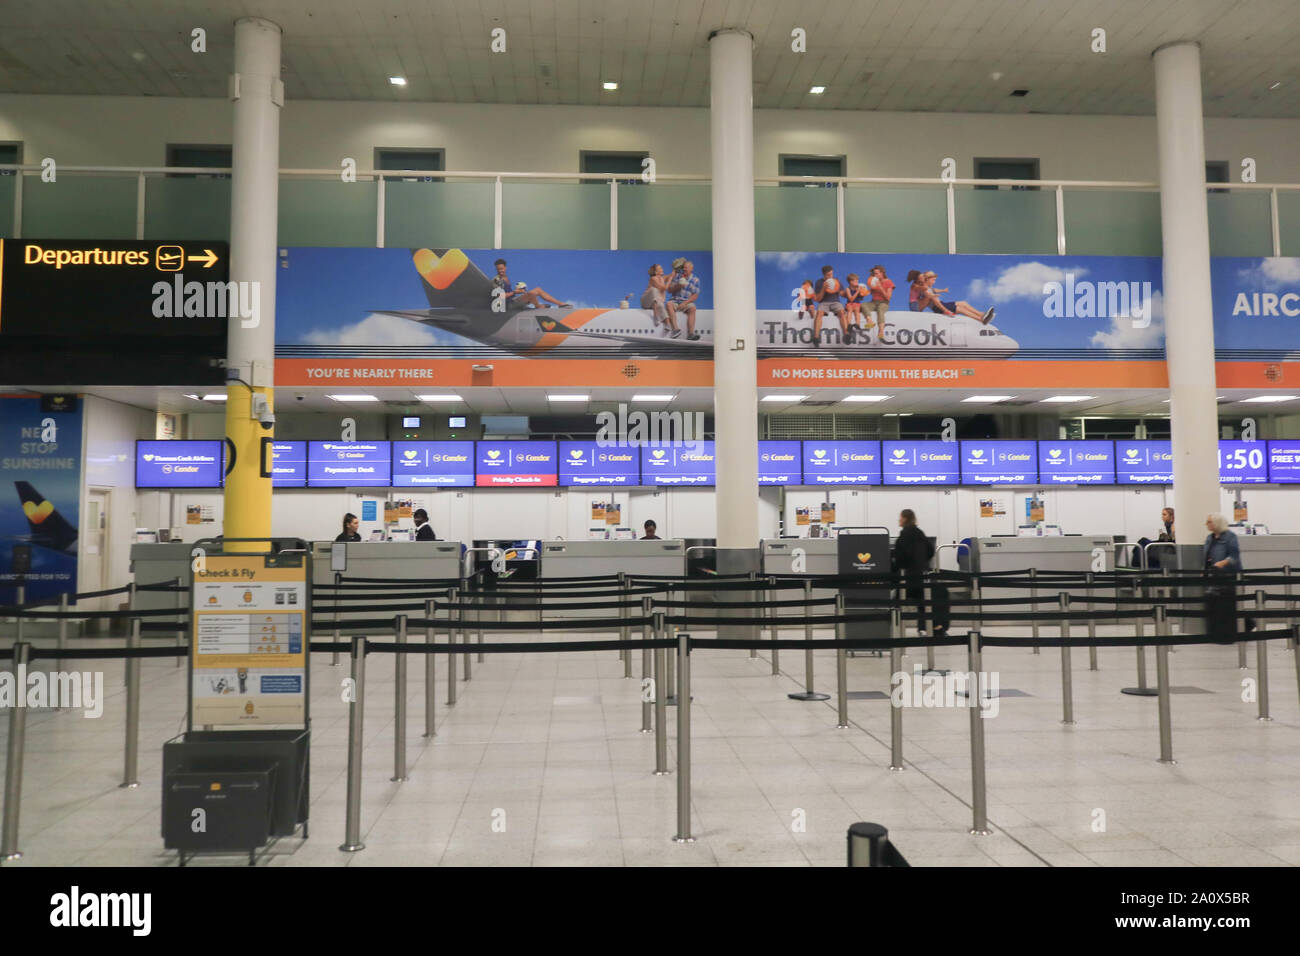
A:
{"x":912,"y":556}
{"x":350,"y":526}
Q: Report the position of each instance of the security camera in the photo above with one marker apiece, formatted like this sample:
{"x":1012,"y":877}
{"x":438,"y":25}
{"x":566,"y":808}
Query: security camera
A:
{"x":261,"y":411}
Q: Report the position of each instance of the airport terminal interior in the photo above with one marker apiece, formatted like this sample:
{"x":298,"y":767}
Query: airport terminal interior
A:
{"x":665,"y":433}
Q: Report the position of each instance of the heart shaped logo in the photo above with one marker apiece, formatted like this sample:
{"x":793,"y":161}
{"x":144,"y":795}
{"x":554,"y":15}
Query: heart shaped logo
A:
{"x":410,"y":454}
{"x":494,"y":454}
{"x":1055,"y":452}
{"x":864,"y":556}
{"x":820,"y":452}
{"x":37,"y":513}
{"x":900,"y":453}
{"x":148,"y":457}
{"x":440,"y":273}
{"x":977,"y":453}
{"x":1131,"y":452}
{"x":658,"y":453}
{"x":575,"y":453}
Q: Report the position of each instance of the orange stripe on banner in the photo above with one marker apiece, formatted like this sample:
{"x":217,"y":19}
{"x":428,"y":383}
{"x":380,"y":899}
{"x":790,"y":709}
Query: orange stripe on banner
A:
{"x":973,"y":374}
{"x":505,"y":373}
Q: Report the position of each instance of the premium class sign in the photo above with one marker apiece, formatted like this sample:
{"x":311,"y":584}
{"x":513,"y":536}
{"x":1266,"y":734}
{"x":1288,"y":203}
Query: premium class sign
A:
{"x":688,"y":464}
{"x":1242,"y":462}
{"x":1076,"y":462}
{"x":779,"y":463}
{"x":841,"y":463}
{"x":178,"y":464}
{"x":591,"y":463}
{"x":433,"y":464}
{"x":515,"y":464}
{"x":358,"y":464}
{"x":920,"y":463}
{"x":160,"y":308}
{"x":998,"y":463}
{"x":1144,"y":462}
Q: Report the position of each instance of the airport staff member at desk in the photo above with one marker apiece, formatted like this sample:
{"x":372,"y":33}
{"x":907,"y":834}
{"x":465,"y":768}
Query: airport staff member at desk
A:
{"x":650,"y":529}
{"x":350,"y":526}
{"x":423,"y":530}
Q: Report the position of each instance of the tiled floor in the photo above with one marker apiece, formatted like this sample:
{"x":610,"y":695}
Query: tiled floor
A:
{"x":541,"y":762}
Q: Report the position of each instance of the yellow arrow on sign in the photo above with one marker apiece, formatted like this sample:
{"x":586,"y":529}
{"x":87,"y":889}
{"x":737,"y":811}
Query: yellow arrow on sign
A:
{"x":209,"y":258}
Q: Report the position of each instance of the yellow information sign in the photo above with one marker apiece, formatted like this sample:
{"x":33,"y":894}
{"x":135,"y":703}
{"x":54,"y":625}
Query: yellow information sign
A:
{"x":248,"y":655}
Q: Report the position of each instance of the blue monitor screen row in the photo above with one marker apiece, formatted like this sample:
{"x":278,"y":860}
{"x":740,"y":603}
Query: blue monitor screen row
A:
{"x":522,"y":464}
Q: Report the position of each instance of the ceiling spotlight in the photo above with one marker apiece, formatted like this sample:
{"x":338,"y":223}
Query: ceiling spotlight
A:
{"x":995,"y":77}
{"x":397,"y":80}
{"x":609,"y":85}
{"x":1062,"y":399}
{"x":817,"y":90}
{"x":986,"y":399}
{"x":439,"y":398}
{"x":783,"y":398}
{"x":866,"y":398}
{"x":1276,"y":85}
{"x":353,"y":398}
{"x":1270,"y":399}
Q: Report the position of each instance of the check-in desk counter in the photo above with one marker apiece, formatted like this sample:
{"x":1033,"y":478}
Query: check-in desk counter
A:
{"x":1046,"y":553}
{"x":820,"y":557}
{"x":570,"y":559}
{"x":387,"y":560}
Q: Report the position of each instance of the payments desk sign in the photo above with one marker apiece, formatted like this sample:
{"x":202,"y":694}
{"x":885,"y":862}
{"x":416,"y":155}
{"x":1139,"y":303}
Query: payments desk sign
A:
{"x":248,"y":657}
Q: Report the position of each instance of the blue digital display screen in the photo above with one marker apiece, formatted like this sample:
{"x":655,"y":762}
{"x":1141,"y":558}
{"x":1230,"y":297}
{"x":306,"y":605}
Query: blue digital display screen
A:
{"x":590,"y":463}
{"x":179,"y":464}
{"x":999,"y":462}
{"x":1284,"y":461}
{"x":515,"y":464}
{"x":346,"y":464}
{"x":683,"y":465}
{"x":1144,"y":462}
{"x":1243,"y":462}
{"x":920,"y":463}
{"x":841,"y":463}
{"x":1076,"y":462}
{"x":778,"y":463}
{"x":288,"y":464}
{"x":433,"y":464}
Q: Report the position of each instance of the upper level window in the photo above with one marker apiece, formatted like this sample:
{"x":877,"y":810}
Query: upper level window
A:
{"x":10,"y":154}
{"x":603,"y":161}
{"x":194,"y":154}
{"x":810,"y":166}
{"x":387,"y":157}
{"x":1006,"y":169}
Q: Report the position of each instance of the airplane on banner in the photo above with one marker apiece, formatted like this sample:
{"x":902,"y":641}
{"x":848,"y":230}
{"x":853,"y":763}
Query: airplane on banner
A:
{"x":49,"y":529}
{"x":461,"y":301}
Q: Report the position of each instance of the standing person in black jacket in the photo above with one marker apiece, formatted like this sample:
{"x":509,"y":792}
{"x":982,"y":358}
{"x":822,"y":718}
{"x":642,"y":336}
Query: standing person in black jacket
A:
{"x":912,"y":556}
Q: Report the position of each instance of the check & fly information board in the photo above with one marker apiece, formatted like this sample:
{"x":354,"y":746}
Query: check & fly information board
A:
{"x":920,"y":463}
{"x":689,"y":464}
{"x":1144,"y":462}
{"x":248,"y":652}
{"x":1243,"y":462}
{"x":590,"y":463}
{"x":516,"y":464}
{"x":357,"y":464}
{"x":779,"y":463}
{"x":289,"y":464}
{"x":1076,"y":463}
{"x":841,"y":463}
{"x":178,"y":464}
{"x":433,"y":464}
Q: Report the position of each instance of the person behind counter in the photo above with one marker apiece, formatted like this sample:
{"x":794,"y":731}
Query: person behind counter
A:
{"x":351,"y":524}
{"x":650,"y":529}
{"x":423,"y":530}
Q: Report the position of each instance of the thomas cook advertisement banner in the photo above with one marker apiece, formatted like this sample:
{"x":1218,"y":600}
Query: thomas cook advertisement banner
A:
{"x":447,"y":317}
{"x":40,"y":495}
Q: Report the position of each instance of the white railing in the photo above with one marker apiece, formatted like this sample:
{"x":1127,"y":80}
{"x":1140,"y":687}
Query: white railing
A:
{"x":839,"y":183}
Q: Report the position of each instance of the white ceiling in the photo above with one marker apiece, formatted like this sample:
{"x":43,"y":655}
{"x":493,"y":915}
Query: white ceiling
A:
{"x":922,"y":55}
{"x":533,"y":401}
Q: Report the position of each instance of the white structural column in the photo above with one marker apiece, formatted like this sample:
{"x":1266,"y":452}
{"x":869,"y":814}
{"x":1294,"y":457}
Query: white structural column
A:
{"x":735,"y":388}
{"x":1188,"y":316}
{"x":257,"y":94}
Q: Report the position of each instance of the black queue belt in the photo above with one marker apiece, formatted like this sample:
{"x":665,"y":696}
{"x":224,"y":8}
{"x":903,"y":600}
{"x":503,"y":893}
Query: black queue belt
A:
{"x":811,"y":602}
{"x":87,"y":615}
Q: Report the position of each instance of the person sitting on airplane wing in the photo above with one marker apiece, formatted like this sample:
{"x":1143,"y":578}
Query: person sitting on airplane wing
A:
{"x":519,"y":296}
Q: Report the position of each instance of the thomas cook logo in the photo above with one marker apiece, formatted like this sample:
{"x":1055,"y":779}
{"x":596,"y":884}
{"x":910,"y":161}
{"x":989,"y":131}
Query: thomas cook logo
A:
{"x":575,"y":453}
{"x":820,"y":452}
{"x":410,"y":453}
{"x":864,"y":556}
{"x":548,"y":324}
{"x":899,"y":453}
{"x":494,"y":454}
{"x":1055,"y":452}
{"x":440,"y":273}
{"x":37,"y":513}
{"x":977,"y":453}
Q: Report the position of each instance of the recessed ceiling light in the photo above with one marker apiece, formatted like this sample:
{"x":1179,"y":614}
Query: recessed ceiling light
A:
{"x":439,"y":398}
{"x":897,"y":415}
{"x":568,"y":398}
{"x":353,"y":398}
{"x":986,"y":399}
{"x":139,"y":56}
{"x":783,"y":398}
{"x":817,"y":90}
{"x":866,"y":398}
{"x":397,"y":80}
{"x":195,"y":397}
{"x":609,"y":85}
{"x":1270,"y":399}
{"x":995,"y":77}
{"x":652,"y":398}
{"x":1067,"y":398}
{"x":1276,"y":85}
{"x":214,"y":398}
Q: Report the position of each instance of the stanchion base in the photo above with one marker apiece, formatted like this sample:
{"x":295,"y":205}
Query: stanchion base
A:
{"x":428,"y":736}
{"x":672,"y":701}
{"x":398,"y":779}
{"x":1069,"y":723}
{"x":128,"y":786}
{"x":841,"y":726}
{"x":897,"y":769}
{"x":1263,"y":718}
{"x":647,"y":730}
{"x":1171,"y":762}
{"x":16,"y":855}
{"x":661,"y":773}
{"x":935,"y":670}
{"x":973,"y":832}
{"x":678,"y":839}
{"x":808,"y":695}
{"x":1140,"y":691}
{"x":351,"y":847}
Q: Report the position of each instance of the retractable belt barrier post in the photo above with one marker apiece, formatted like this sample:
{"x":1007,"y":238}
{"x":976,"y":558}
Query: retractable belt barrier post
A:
{"x":624,"y":633}
{"x":895,"y":667}
{"x":338,"y":579}
{"x":20,"y":598}
{"x":463,"y":633}
{"x":1290,"y":606}
{"x":1091,"y":578}
{"x":661,"y":699}
{"x":130,"y":770}
{"x":683,"y":739}
{"x":753,"y":651}
{"x":647,"y":679}
{"x":1162,"y":685}
{"x":808,"y":693}
{"x":1261,"y":661}
{"x":356,"y":724}
{"x":430,"y":668}
{"x":775,"y":627}
{"x":1141,"y":690}
{"x":841,"y":668}
{"x":14,"y":764}
{"x":1067,"y":676}
{"x":451,"y":650}
{"x":130,"y":606}
{"x":979,"y":806}
{"x":63,"y":630}
{"x":1033,"y":604}
{"x":399,"y":701}
{"x":1241,"y":645}
{"x":480,"y":602}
